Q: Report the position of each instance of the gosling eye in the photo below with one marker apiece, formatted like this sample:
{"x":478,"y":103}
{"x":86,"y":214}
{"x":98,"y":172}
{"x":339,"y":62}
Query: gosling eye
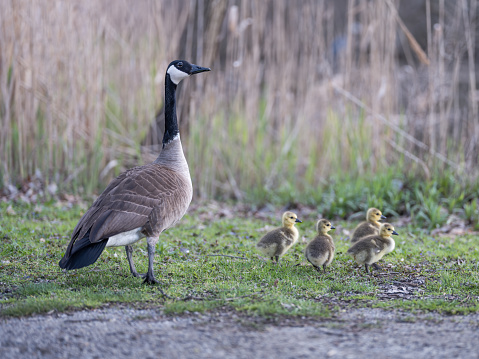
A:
{"x":291,"y":217}
{"x":179,"y":64}
{"x":328,"y":225}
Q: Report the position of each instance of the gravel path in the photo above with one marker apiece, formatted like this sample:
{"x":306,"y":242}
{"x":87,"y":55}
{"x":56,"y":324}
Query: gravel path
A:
{"x":133,"y":333}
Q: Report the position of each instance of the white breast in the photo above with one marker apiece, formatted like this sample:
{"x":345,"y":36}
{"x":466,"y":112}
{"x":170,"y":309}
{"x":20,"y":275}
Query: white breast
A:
{"x":125,"y":238}
{"x":391,"y":245}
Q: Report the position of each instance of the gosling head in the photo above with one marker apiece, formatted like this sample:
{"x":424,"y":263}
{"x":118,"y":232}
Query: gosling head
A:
{"x":181,"y":69}
{"x":289,"y":219}
{"x":386,"y":230}
{"x":324,"y":226}
{"x":374,"y":215}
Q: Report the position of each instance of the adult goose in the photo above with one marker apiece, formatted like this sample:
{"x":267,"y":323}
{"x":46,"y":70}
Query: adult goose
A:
{"x":143,"y":201}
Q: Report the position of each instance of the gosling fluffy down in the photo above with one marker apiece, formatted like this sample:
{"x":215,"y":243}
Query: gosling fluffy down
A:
{"x":276,"y":243}
{"x":320,"y":251}
{"x":371,"y":249}
{"x":370,"y":227}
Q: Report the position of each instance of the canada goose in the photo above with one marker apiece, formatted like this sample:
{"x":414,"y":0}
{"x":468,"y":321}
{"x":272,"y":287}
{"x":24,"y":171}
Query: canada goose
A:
{"x":320,"y":251}
{"x":276,"y":243}
{"x":143,"y":201}
{"x":370,"y":227}
{"x":370,"y":249}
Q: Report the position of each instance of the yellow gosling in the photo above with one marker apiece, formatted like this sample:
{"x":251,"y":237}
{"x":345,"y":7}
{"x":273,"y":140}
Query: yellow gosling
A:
{"x":320,"y":251}
{"x":370,"y":227}
{"x":371,"y":249}
{"x":277,"y":242}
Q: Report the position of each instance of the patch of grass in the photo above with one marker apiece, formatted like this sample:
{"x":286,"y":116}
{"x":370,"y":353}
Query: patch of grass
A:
{"x":443,"y":272}
{"x":442,"y":306}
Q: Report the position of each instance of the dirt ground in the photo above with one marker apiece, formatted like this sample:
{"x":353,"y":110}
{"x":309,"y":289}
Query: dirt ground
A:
{"x":147,"y":333}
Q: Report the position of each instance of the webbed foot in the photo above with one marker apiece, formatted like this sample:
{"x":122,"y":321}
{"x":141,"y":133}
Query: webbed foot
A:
{"x":149,"y":278}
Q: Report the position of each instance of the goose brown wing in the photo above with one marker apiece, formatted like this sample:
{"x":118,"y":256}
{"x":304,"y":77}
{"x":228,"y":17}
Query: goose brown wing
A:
{"x":129,"y":200}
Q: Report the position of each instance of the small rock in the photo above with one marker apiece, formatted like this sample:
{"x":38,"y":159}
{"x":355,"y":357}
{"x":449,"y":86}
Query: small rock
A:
{"x":332,"y":352}
{"x":52,"y":188}
{"x":12,"y":190}
{"x":11,"y":211}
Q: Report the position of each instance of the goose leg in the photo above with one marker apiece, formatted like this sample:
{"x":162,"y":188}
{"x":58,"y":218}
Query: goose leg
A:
{"x":129,"y":251}
{"x":150,"y":277}
{"x":366,"y":267}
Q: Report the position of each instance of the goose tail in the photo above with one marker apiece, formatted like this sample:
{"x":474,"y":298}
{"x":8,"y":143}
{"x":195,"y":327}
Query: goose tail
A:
{"x":82,"y":254}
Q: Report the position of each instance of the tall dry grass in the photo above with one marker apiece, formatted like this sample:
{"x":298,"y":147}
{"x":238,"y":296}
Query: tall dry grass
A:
{"x":294,"y":97}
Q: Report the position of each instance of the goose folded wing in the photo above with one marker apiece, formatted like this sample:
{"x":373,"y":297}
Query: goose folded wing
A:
{"x":128,"y":201}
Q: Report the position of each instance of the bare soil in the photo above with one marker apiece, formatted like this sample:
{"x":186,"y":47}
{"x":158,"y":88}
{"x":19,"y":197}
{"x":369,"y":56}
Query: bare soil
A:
{"x":148,"y":333}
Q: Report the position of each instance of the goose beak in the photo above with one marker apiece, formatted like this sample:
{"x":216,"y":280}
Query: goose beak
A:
{"x":395,"y":233}
{"x":333,"y":227}
{"x":383,"y":217}
{"x":197,"y":69}
{"x":298,"y":221}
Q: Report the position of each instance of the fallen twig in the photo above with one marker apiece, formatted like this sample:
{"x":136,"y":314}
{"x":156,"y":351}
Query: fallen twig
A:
{"x":225,"y":255}
{"x":164,"y":294}
{"x":388,"y":273}
{"x":217,"y":299}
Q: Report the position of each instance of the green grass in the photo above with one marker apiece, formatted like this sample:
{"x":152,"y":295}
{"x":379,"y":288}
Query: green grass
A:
{"x":33,"y":241}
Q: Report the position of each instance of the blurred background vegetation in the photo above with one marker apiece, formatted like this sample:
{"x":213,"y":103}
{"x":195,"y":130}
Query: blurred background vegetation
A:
{"x":337,"y":104}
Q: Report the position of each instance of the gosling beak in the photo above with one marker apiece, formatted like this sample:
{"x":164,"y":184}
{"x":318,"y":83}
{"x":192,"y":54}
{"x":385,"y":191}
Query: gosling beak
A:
{"x":198,"y":69}
{"x":298,"y":221}
{"x":333,"y":227}
{"x":383,"y":217}
{"x":395,"y":233}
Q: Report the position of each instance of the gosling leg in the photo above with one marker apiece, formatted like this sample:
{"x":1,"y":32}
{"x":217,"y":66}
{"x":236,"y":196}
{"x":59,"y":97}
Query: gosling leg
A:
{"x":366,"y":267}
{"x":315,"y":266}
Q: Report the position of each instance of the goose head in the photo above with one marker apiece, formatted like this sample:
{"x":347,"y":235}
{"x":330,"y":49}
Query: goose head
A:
{"x":324,"y":226}
{"x":181,"y":69}
{"x":289,"y":219}
{"x":386,"y":230}
{"x":374,"y":215}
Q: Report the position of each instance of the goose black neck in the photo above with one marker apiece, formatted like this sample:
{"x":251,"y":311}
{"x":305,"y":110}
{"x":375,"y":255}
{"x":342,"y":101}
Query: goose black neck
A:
{"x":171,"y":122}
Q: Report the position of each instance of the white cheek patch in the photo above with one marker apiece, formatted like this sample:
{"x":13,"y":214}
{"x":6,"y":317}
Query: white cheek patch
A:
{"x":176,"y":75}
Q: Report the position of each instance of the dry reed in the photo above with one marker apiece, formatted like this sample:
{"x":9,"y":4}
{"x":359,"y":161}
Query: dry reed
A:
{"x":80,"y":83}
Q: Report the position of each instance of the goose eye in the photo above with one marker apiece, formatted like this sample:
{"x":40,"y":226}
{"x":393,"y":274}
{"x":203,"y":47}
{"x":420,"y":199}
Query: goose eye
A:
{"x":179,"y":64}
